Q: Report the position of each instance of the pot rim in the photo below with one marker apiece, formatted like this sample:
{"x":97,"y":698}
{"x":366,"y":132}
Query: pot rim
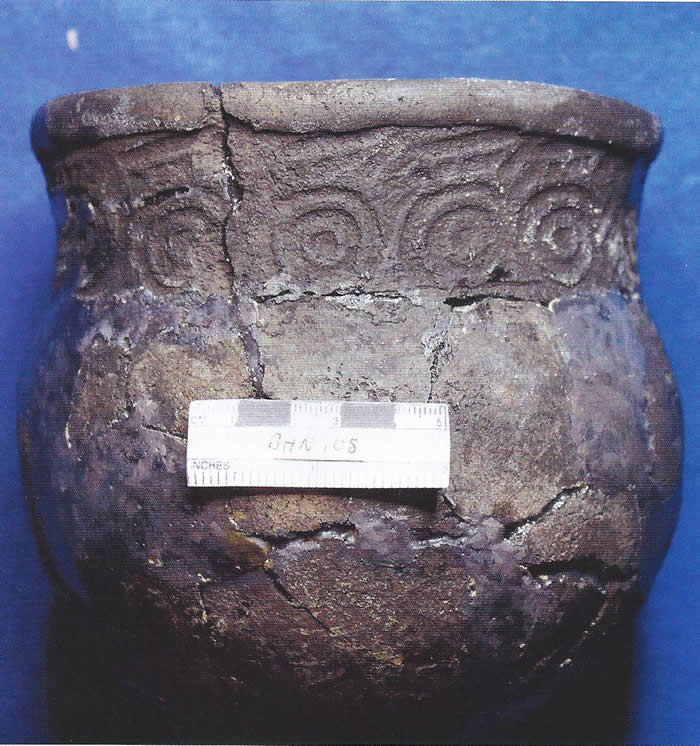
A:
{"x":339,"y":106}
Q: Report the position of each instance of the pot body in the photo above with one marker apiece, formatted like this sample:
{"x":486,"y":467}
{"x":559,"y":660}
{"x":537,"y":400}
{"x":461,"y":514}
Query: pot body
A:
{"x":347,"y":241}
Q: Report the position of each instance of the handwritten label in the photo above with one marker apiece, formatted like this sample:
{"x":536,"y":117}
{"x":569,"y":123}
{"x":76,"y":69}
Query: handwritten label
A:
{"x":263,"y":443}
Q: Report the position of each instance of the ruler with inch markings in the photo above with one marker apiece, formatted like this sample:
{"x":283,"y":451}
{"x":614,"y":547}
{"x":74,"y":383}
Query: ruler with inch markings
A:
{"x":317,"y":444}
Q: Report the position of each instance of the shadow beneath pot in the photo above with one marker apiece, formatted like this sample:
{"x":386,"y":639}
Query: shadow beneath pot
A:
{"x":91,"y":700}
{"x":595,"y":709}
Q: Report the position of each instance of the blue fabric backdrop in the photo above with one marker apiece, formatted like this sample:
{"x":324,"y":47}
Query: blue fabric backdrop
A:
{"x":645,"y":53}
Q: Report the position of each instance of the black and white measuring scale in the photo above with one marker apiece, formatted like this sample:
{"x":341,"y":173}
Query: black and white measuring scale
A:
{"x":317,"y":444}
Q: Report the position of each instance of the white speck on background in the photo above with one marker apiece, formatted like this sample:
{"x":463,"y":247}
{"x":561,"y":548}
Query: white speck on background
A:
{"x":72,"y":39}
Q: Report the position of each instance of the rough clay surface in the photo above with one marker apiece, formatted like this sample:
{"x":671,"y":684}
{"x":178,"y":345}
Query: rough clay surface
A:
{"x":207,"y":256}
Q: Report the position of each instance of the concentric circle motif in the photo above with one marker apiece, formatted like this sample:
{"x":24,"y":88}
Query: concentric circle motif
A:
{"x":453,"y":232}
{"x":169,"y":238}
{"x":329,"y":228}
{"x":557,"y":229}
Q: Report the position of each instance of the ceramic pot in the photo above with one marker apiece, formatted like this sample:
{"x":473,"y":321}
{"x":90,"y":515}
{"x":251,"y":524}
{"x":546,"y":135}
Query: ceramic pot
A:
{"x":464,"y":241}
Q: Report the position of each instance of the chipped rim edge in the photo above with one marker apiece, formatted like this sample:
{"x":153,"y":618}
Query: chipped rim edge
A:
{"x":338,"y":106}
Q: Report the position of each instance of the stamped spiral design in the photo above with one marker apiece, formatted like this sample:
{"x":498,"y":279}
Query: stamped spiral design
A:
{"x":169,"y":237}
{"x":453,"y":210}
{"x":329,"y":228}
{"x":557,"y":228}
{"x":452,"y":229}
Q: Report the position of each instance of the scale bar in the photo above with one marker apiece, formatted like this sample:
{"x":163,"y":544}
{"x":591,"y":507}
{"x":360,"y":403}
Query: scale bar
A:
{"x":318,"y":444}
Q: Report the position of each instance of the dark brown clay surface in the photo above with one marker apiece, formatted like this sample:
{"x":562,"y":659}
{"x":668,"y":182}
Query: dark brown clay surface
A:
{"x":471,"y":242}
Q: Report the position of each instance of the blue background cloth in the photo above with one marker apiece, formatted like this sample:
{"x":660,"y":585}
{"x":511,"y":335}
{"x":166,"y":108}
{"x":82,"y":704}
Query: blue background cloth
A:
{"x":647,"y":54}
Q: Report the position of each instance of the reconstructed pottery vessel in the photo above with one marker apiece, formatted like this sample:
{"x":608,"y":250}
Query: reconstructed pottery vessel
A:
{"x":464,"y":241}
